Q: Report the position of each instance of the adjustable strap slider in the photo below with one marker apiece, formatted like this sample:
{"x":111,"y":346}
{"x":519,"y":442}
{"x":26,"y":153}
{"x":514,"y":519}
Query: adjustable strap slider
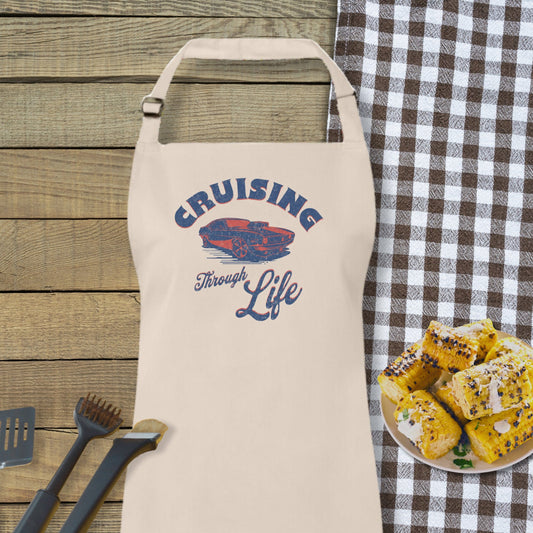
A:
{"x":151,"y":106}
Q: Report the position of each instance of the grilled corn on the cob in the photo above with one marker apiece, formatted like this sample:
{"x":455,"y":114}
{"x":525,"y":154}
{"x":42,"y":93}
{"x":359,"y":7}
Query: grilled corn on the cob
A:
{"x":483,"y":331}
{"x":508,"y":345}
{"x":448,"y":349}
{"x":515,"y":346}
{"x":426,"y":424}
{"x":445,"y":396}
{"x":493,"y":436}
{"x":492,"y":387}
{"x":406,"y":374}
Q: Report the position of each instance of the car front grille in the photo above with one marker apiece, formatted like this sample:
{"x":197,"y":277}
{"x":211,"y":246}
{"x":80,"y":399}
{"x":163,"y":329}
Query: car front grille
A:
{"x":277,"y":239}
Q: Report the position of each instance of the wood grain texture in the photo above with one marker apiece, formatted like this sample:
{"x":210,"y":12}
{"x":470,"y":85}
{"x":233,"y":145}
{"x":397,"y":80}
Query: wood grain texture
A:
{"x":69,"y":326}
{"x":107,"y":115}
{"x":175,"y":8}
{"x":65,"y":255}
{"x":139,"y":48}
{"x":58,"y":346}
{"x":64,"y":183}
{"x":54,"y":387}
{"x":107,"y":520}
{"x":20,"y":484}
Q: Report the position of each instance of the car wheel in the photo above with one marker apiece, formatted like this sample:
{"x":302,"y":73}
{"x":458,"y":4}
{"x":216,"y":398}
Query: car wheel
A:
{"x":240,"y":248}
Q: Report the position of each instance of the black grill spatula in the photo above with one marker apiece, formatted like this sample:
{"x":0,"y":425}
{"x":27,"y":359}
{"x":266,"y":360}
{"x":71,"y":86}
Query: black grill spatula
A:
{"x":17,"y":428}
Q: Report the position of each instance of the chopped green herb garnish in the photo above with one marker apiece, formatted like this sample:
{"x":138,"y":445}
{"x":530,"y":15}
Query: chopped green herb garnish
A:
{"x":477,"y":425}
{"x":405,"y":413}
{"x":463,"y":463}
{"x":444,"y":383}
{"x":461,"y":450}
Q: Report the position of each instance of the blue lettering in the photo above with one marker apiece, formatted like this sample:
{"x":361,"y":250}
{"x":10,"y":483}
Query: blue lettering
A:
{"x":309,"y":217}
{"x":258,"y":189}
{"x":224,"y":192}
{"x":283,"y":293}
{"x":182,"y":220}
{"x":228,"y":192}
{"x":289,"y":199}
{"x":241,"y":188}
{"x":200,"y":200}
{"x":274,"y":193}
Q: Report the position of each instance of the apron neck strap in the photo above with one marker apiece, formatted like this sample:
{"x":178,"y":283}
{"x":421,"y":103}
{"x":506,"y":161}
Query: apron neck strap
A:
{"x":248,"y":50}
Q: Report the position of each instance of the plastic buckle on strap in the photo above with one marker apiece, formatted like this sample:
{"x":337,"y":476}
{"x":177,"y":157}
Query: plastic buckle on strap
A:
{"x":153,"y":100}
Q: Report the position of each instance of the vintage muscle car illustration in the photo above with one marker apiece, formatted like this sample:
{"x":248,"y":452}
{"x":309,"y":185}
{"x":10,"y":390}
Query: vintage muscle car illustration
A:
{"x":245,"y":239}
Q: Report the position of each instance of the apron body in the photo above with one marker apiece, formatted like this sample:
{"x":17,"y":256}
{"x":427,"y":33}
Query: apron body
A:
{"x":251,"y":260}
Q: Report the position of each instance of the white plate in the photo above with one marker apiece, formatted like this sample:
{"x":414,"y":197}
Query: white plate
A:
{"x":447,"y":461}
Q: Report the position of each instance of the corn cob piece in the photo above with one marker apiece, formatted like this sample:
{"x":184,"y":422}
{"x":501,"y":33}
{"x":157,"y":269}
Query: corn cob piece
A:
{"x":508,"y":345}
{"x":493,"y":436}
{"x":426,"y":424}
{"x":483,"y":331}
{"x":447,"y":349}
{"x":406,"y":374}
{"x":492,"y":387}
{"x":512,"y":345}
{"x":445,"y":396}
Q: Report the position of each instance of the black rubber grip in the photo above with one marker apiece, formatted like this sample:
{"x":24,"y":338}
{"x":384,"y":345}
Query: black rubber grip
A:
{"x":39,"y":513}
{"x":115,"y":462}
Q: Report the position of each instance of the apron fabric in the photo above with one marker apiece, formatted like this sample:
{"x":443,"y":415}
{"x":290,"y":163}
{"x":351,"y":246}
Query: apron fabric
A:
{"x":444,"y":94}
{"x":251,"y":260}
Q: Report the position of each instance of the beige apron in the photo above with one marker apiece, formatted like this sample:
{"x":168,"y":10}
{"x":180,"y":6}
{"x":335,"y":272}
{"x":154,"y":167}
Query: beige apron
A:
{"x":251,"y":259}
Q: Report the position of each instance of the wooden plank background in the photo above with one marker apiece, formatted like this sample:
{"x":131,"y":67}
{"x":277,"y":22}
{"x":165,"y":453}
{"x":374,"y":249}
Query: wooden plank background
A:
{"x":71,"y":78}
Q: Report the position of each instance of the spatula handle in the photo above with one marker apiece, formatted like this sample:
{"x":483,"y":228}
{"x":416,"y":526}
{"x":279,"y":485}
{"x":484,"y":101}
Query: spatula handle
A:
{"x":39,"y":513}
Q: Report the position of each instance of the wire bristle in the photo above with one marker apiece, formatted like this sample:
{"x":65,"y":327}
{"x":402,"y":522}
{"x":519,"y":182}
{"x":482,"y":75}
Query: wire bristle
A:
{"x":99,"y":411}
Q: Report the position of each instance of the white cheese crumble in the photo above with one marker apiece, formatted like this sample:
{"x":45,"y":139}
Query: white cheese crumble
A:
{"x":495,"y":402}
{"x":412,"y":431}
{"x":502,"y":426}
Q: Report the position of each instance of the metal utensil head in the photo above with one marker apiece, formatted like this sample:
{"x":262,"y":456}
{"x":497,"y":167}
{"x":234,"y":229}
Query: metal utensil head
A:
{"x":95,"y":417}
{"x":17,"y":431}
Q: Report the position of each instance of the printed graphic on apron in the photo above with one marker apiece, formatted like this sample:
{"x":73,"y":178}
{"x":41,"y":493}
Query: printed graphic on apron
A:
{"x":255,"y":189}
{"x":249,"y":242}
{"x":245,"y":240}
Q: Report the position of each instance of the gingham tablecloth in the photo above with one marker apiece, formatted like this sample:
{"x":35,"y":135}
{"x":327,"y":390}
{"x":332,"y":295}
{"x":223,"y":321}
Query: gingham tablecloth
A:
{"x":445,"y":97}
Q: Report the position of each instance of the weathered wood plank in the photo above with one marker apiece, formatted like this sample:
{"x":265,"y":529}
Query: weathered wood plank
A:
{"x":69,"y":326}
{"x":107,"y":520}
{"x":54,"y":387}
{"x":107,"y":115}
{"x":20,"y":484}
{"x":139,"y":48}
{"x":175,"y":8}
{"x":64,"y":183}
{"x":65,"y":255}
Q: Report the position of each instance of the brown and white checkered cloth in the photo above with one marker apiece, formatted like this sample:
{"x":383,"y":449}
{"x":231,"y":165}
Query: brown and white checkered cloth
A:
{"x":445,"y":98}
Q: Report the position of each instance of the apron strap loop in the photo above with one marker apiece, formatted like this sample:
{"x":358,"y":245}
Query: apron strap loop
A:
{"x":252,"y":49}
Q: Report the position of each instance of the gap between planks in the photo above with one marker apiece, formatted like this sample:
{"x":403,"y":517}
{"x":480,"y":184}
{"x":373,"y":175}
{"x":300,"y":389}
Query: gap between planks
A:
{"x":89,"y":47}
{"x":174,"y":8}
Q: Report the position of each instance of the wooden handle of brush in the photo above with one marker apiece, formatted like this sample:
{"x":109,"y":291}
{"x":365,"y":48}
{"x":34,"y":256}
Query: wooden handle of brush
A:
{"x":39,"y":513}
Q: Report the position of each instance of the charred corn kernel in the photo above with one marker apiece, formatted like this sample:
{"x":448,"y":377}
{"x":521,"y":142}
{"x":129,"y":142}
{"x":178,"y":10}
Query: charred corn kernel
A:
{"x":406,"y":374}
{"x":509,"y":345}
{"x":493,"y":436}
{"x":426,"y":424}
{"x":492,"y":387}
{"x":512,"y":345}
{"x":483,"y":331}
{"x":447,"y":349}
{"x":445,"y":396}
